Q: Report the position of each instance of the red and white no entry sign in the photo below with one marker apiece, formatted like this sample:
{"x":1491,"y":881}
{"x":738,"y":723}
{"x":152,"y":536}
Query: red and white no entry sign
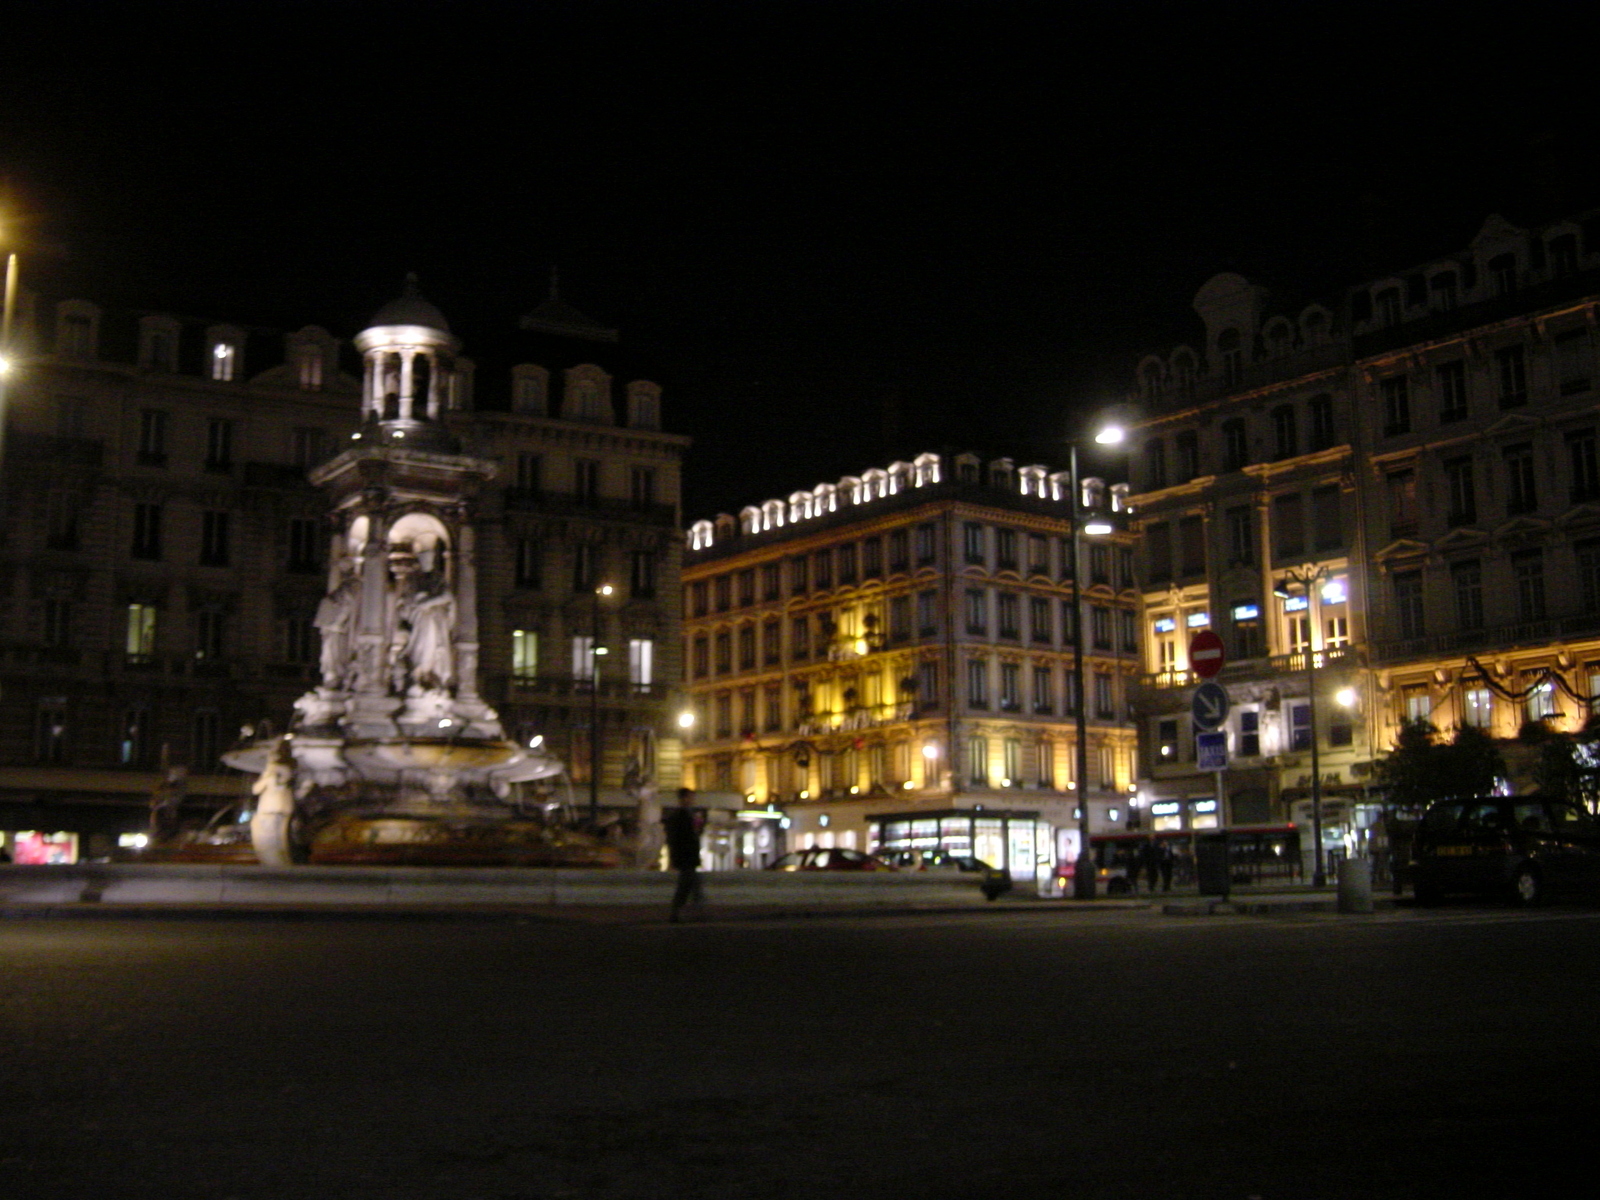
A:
{"x":1205,"y":654}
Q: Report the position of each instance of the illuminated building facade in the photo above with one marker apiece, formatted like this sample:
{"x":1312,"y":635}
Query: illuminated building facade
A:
{"x":902,"y":642}
{"x":1421,"y":452}
{"x":163,"y":554}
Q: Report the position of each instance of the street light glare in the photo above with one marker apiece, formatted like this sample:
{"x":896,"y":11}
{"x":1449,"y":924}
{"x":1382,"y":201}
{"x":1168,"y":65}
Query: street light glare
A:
{"x":1097,"y":527}
{"x":1111,"y":435}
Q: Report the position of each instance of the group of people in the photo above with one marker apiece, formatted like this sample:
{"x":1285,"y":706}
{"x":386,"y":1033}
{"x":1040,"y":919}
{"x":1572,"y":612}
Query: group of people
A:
{"x":1155,"y":860}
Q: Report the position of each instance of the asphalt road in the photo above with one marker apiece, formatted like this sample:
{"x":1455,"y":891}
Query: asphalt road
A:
{"x":994,"y":1054}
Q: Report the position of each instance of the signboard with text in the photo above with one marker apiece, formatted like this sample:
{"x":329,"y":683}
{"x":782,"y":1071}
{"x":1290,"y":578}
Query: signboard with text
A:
{"x":1211,"y":751}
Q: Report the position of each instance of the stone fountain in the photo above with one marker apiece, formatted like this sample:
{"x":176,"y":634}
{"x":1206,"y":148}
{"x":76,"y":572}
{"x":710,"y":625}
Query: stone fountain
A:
{"x":394,"y":757}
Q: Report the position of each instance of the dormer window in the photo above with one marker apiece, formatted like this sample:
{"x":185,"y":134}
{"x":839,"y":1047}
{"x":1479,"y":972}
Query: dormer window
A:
{"x":308,"y":371}
{"x":1388,"y":302}
{"x":1231,"y":352}
{"x":644,"y":405}
{"x":588,"y":395}
{"x":77,"y":329}
{"x":1503,"y":274}
{"x":1563,"y":254}
{"x":223,"y":362}
{"x":1442,"y":291}
{"x":530,"y":390}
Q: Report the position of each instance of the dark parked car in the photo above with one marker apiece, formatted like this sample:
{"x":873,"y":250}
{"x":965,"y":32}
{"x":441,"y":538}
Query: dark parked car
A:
{"x":1520,"y":847}
{"x":826,"y":858}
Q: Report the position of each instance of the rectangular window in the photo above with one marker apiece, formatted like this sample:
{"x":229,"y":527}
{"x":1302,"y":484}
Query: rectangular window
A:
{"x":800,"y":637}
{"x":872,"y":558}
{"x":1585,"y":472}
{"x":1158,"y":552}
{"x":530,"y":472}
{"x":50,"y":736}
{"x":1540,"y":692}
{"x":1587,"y":553}
{"x":1011,"y":762}
{"x":1299,"y":727}
{"x":747,"y":647}
{"x":700,"y":657}
{"x":1396,"y":395}
{"x":1191,"y":546}
{"x":1287,"y":442}
{"x":1415,"y":703}
{"x":899,"y":550}
{"x":641,"y":663}
{"x":824,"y":568}
{"x":305,"y":545}
{"x":1235,"y":445}
{"x":1038,"y":554}
{"x":1039,"y":627}
{"x":1249,"y":733}
{"x":1241,"y":536}
{"x":133,"y":747}
{"x":140,"y":645}
{"x":642,"y":488}
{"x":57,"y":622}
{"x":1572,"y":363}
{"x":1511,"y":369}
{"x":224,"y":361}
{"x":1327,"y":522}
{"x":1187,"y":445}
{"x":1104,"y":701}
{"x":524,"y":655}
{"x":972,"y":543}
{"x":927,"y":614}
{"x":1527,"y":569}
{"x":1521,"y":492}
{"x":583,"y":568}
{"x":1069,"y":621}
{"x":1451,"y":380}
{"x":847,"y":564}
{"x":1402,"y":489}
{"x":977,"y":605}
{"x":799,"y":583}
{"x":530,"y":563}
{"x":1247,"y":640}
{"x":1408,"y":604}
{"x":699,"y":598}
{"x":1100,"y":564}
{"x":1466,"y":581}
{"x":977,"y":683}
{"x":642,"y":575}
{"x":309,"y":447}
{"x":1127,"y":631}
{"x":1008,"y":614}
{"x":927,"y":685}
{"x":61,"y":519}
{"x":214,"y":539}
{"x":1323,"y":434}
{"x":723,"y":645}
{"x":1463,"y":498}
{"x":1010,"y":686}
{"x":1288,"y":525}
{"x":1155,"y":464}
{"x":147,"y":531}
{"x":772,"y":707}
{"x":1005,"y":549}
{"x":1100,"y":626}
{"x":927,"y":545}
{"x":302,"y":642}
{"x":978,"y":761}
{"x":586,"y":480}
{"x":1044,"y":690}
{"x":219,"y":445}
{"x":1477,"y":707}
{"x":153,"y":437}
{"x":771,"y":643}
{"x":209,"y":629}
{"x":584,"y":653}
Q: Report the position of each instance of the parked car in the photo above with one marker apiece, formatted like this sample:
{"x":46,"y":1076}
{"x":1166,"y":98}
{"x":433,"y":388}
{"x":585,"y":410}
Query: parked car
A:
{"x":995,"y":882}
{"x":828,"y":858}
{"x":1114,"y":880}
{"x":1522,"y":847}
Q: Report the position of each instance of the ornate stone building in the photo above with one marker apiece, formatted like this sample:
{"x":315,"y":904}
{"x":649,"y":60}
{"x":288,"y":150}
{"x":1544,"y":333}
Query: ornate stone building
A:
{"x":1413,"y":464}
{"x":900,"y":643}
{"x":164,"y":555}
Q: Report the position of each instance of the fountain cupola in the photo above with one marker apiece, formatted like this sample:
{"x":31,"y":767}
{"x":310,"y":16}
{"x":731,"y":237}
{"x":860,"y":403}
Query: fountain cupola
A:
{"x":410,"y":374}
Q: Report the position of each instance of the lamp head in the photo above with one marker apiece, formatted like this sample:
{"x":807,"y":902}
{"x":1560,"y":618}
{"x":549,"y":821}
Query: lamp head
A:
{"x":1111,"y":435}
{"x":1097,"y":527}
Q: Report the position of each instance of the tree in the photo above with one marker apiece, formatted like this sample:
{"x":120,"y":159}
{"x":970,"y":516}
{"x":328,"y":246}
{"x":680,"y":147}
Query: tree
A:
{"x":1569,"y":765}
{"x":1420,"y":769}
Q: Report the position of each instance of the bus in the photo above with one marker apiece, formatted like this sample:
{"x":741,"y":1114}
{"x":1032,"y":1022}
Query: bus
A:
{"x":1257,"y":854}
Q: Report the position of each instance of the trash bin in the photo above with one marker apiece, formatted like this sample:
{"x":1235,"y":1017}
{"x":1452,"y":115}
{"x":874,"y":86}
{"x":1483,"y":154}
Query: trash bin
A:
{"x":1355,"y":885}
{"x":1211,"y":867}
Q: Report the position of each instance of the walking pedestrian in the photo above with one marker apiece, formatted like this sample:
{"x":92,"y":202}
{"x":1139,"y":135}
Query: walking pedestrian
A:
{"x":1150,"y":857}
{"x":1167,"y":861}
{"x":683,"y":852}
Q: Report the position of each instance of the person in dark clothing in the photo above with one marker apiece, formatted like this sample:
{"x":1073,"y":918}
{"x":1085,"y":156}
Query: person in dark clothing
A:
{"x":683,"y":852}
{"x":1166,"y":863}
{"x":1150,"y":856}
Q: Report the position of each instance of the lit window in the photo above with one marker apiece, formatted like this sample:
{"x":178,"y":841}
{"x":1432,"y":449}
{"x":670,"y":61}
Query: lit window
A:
{"x":224,"y":361}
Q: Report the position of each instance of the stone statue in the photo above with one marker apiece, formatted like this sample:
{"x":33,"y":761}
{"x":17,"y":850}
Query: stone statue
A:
{"x":269,"y":823}
{"x":430,"y":648}
{"x":335,"y":620}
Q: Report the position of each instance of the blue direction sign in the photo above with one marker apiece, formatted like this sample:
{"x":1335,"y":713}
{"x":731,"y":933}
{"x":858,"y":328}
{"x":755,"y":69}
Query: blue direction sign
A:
{"x":1209,"y":704}
{"x":1211,"y":751}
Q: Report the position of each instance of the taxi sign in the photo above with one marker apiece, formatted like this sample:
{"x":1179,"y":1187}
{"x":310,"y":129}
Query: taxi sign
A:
{"x":1211,"y":752}
{"x":1205,"y":653}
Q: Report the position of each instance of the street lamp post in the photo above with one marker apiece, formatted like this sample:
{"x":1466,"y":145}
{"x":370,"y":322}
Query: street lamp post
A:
{"x":1306,"y":579}
{"x":595,"y":651}
{"x":1083,"y":871}
{"x":6,"y":364}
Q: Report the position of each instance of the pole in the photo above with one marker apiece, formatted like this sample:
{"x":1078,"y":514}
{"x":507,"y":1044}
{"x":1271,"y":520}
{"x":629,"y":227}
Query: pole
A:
{"x":5,"y":345}
{"x":594,"y":711}
{"x":1083,"y":873}
{"x":1319,"y":877}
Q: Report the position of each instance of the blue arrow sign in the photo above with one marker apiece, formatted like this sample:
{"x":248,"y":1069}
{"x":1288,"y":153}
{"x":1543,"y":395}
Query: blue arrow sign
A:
{"x":1209,"y":705}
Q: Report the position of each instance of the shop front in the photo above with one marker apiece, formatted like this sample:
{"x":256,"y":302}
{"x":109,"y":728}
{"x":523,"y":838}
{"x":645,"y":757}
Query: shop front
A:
{"x":1018,"y":843}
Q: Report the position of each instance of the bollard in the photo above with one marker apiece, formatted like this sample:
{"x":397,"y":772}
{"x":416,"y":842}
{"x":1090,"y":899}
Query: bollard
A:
{"x":1355,"y":885}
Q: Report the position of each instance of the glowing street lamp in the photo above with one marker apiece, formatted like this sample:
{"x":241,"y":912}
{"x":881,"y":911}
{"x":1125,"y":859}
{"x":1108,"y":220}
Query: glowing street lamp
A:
{"x":1305,"y":579}
{"x":595,"y":651}
{"x":1093,"y":525}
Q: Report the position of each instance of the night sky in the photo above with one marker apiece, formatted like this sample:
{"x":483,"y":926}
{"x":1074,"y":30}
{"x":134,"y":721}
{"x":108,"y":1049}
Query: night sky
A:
{"x":835,"y":233}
